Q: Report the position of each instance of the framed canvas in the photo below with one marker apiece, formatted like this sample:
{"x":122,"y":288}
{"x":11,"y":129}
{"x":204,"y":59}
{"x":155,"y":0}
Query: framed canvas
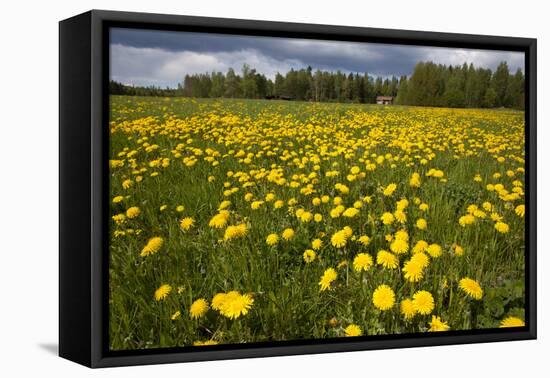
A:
{"x":235,"y":188}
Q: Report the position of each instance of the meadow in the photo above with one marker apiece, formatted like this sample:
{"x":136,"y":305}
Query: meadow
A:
{"x":239,"y":221}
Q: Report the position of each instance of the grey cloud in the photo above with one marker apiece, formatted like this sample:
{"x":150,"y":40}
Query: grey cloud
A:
{"x":146,"y":57}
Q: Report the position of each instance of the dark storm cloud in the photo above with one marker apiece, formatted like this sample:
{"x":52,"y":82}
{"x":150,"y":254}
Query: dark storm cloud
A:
{"x":161,"y":57}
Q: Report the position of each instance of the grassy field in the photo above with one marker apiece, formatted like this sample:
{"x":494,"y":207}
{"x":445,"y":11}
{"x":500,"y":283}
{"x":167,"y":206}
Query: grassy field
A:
{"x":237,"y":221}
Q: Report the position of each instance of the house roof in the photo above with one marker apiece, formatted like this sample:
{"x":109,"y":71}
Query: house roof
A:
{"x":384,"y":97}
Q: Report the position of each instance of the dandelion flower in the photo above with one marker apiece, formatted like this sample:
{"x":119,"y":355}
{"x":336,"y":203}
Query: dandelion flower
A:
{"x":364,"y":239}
{"x":329,"y":276}
{"x":162,"y":292}
{"x":217,"y":301}
{"x":288,"y":234}
{"x":421,"y":259}
{"x":502,"y":227}
{"x":466,"y":220}
{"x":309,"y":255}
{"x":339,"y":239}
{"x":437,"y":325}
{"x":350,"y":212}
{"x":471,"y":287}
{"x":198,"y":308}
{"x":152,"y":246}
{"x":399,"y":246}
{"x":353,"y":330}
{"x":420,"y":246}
{"x":387,"y":218}
{"x":186,"y":223}
{"x":233,"y":232}
{"x":407,"y":309}
{"x":423,"y":302}
{"x":414,"y":272}
{"x":272,"y":239}
{"x":362,"y":262}
{"x":219,"y":220}
{"x":402,"y":235}
{"x":383,"y":297}
{"x":434,"y":250}
{"x":520,"y":210}
{"x":235,"y":304}
{"x":133,"y":212}
{"x":421,"y":224}
{"x":387,"y":260}
{"x":388,"y":190}
{"x":400,"y":215}
{"x":205,"y":343}
{"x":511,"y":321}
{"x":316,"y":244}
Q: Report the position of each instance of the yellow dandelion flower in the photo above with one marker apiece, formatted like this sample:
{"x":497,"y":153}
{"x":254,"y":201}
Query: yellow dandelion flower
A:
{"x":387,"y":260}
{"x":407,"y":309}
{"x":400,"y":215}
{"x":421,"y":224}
{"x":437,"y":325}
{"x":520,"y":210}
{"x":205,"y":343}
{"x":362,"y":262}
{"x":198,"y":308}
{"x":383,"y":297}
{"x":152,"y":246}
{"x":423,"y":302}
{"x":217,"y":301}
{"x":471,"y":287}
{"x":309,"y":255}
{"x":459,"y":251}
{"x":272,"y":239}
{"x":162,"y":292}
{"x":420,"y":246}
{"x":512,"y":321}
{"x":233,"y":232}
{"x":133,"y":212}
{"x":434,"y":250}
{"x":388,"y":190}
{"x":318,"y":217}
{"x":387,"y":218}
{"x":353,"y":330}
{"x":235,"y":304}
{"x":466,"y":220}
{"x":288,"y":234}
{"x":399,"y":246}
{"x":364,"y":239}
{"x":339,"y":239}
{"x":421,"y":259}
{"x":414,"y":272}
{"x":118,"y":199}
{"x":502,"y":227}
{"x":350,"y":212}
{"x":219,"y":220}
{"x":186,"y":223}
{"x":329,"y":276}
{"x":316,"y":244}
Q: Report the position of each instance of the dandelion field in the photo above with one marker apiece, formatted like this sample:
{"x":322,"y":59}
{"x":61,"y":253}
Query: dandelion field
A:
{"x":239,"y":221}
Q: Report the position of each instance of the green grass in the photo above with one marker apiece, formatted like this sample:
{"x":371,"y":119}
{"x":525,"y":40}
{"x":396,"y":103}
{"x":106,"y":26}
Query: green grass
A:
{"x":288,"y":304}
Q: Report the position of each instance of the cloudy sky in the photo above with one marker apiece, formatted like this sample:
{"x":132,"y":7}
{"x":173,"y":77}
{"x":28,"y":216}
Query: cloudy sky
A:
{"x":163,"y":58}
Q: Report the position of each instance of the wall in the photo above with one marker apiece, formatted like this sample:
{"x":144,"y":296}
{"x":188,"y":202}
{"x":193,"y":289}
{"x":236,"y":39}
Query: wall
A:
{"x":28,"y":211}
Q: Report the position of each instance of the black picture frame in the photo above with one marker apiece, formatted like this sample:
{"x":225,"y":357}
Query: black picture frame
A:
{"x":83,"y":181}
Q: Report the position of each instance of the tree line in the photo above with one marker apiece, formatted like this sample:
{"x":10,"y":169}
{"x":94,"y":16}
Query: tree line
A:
{"x":430,"y":84}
